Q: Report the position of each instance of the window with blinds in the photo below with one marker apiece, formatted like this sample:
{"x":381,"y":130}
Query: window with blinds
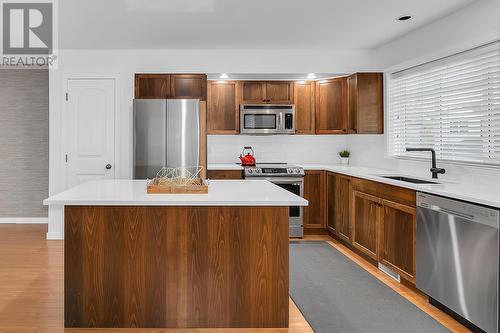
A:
{"x":451,"y":105}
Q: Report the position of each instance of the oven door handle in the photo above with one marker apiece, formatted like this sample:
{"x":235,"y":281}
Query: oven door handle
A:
{"x":279,"y":180}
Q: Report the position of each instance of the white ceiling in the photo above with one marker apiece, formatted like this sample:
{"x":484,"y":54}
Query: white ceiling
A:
{"x":243,"y":24}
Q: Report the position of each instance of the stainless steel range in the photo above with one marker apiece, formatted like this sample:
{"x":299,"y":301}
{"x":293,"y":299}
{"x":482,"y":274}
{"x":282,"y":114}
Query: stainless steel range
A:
{"x":289,"y":177}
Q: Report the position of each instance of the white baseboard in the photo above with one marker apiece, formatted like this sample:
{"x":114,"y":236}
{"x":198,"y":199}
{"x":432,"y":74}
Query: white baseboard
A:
{"x":24,"y":220}
{"x":55,"y":236}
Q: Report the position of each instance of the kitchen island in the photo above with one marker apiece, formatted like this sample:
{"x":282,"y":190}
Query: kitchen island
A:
{"x":216,"y":260}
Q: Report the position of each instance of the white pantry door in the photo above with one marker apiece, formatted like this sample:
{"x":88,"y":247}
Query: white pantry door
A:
{"x":89,"y":130}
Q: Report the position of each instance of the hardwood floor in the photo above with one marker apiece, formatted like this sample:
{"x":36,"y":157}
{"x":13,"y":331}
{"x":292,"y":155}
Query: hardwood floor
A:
{"x":31,"y":288}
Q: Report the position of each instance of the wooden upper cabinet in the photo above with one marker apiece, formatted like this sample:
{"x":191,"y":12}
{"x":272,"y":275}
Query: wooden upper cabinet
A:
{"x":151,"y":86}
{"x":273,"y":92}
{"x":279,"y":92}
{"x":223,"y":107}
{"x":365,"y":218}
{"x":253,"y":92}
{"x":365,"y":103}
{"x":398,"y":235}
{"x":305,"y":113}
{"x":331,"y":106}
{"x":314,"y":192}
{"x":189,"y":86}
{"x":352,"y":105}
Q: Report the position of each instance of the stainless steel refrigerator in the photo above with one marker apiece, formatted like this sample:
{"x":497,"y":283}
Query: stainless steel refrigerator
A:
{"x":167,"y":132}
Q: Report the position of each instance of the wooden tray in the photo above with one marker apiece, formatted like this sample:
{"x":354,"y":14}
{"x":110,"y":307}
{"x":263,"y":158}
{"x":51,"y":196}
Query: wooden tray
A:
{"x":201,"y":188}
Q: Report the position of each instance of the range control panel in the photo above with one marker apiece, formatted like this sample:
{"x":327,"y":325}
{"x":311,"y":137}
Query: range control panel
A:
{"x":273,"y":171}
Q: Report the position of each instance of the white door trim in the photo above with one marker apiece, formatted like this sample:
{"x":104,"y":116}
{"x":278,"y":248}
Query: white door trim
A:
{"x":64,"y":143}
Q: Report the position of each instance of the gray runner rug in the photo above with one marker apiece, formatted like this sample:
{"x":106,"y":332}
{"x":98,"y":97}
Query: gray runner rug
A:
{"x":335,"y":295}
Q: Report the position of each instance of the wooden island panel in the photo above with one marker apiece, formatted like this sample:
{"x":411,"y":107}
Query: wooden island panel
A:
{"x":176,"y":267}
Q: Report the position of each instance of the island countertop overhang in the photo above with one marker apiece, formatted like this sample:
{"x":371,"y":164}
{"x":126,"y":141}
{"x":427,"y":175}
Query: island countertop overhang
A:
{"x":122,"y":192}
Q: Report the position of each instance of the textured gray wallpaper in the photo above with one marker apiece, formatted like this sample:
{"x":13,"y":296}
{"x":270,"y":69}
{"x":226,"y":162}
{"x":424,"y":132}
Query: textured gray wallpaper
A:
{"x":24,"y":142}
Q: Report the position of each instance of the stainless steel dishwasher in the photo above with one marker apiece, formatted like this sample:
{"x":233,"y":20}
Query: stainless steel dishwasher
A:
{"x":458,"y":257}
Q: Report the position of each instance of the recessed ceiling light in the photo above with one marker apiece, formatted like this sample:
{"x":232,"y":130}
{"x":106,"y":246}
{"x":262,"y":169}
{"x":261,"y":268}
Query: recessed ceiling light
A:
{"x":404,"y":18}
{"x":224,"y":76}
{"x":311,"y":76}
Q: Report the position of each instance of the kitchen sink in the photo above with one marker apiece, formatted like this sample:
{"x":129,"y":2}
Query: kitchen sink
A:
{"x":410,"y":180}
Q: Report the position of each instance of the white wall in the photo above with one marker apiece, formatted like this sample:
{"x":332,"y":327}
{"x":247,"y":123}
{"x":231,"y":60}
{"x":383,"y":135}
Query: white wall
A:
{"x":469,"y":27}
{"x":122,"y":64}
{"x":472,"y":26}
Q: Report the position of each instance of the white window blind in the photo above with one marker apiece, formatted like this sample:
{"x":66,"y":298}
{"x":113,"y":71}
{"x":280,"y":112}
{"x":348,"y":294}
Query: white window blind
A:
{"x":451,"y":105}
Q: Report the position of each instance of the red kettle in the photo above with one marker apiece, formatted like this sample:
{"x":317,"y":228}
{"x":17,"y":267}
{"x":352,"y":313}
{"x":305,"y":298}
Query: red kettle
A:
{"x":247,"y":159}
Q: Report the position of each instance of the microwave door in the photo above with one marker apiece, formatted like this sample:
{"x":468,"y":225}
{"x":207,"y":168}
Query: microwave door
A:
{"x":260,"y":123}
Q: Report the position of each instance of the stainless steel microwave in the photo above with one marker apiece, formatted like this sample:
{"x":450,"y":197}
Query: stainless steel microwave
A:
{"x":267,"y":119}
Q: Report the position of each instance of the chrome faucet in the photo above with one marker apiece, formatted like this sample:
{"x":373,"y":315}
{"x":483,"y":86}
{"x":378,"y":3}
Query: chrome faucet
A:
{"x":435,"y":170}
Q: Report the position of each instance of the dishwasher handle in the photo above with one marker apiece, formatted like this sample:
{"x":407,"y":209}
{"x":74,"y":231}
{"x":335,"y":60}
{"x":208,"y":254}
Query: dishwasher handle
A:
{"x":464,"y":210}
{"x":448,"y":211}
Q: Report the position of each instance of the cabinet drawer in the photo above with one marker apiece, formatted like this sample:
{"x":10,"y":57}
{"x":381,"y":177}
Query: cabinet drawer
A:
{"x":225,"y":174}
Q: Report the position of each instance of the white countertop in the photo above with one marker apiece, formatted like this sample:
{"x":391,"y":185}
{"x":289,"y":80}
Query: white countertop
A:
{"x":481,"y":194}
{"x":224,"y":166}
{"x":476,"y":193}
{"x":133,"y":193}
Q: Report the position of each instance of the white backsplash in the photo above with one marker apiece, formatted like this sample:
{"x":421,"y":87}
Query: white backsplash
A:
{"x":277,"y":148}
{"x":366,"y":150}
{"x":370,"y":150}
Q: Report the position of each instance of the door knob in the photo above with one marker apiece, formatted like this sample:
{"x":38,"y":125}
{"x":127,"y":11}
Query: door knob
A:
{"x":108,"y":166}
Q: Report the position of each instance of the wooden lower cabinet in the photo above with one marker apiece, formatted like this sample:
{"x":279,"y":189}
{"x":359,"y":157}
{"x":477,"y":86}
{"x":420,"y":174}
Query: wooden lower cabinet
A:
{"x":343,"y":207}
{"x":397,"y":238}
{"x":175,"y":267}
{"x":376,"y":219}
{"x":331,"y":197}
{"x":338,"y":205}
{"x":366,"y":216}
{"x":314,"y":192}
{"x":225,"y":174}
